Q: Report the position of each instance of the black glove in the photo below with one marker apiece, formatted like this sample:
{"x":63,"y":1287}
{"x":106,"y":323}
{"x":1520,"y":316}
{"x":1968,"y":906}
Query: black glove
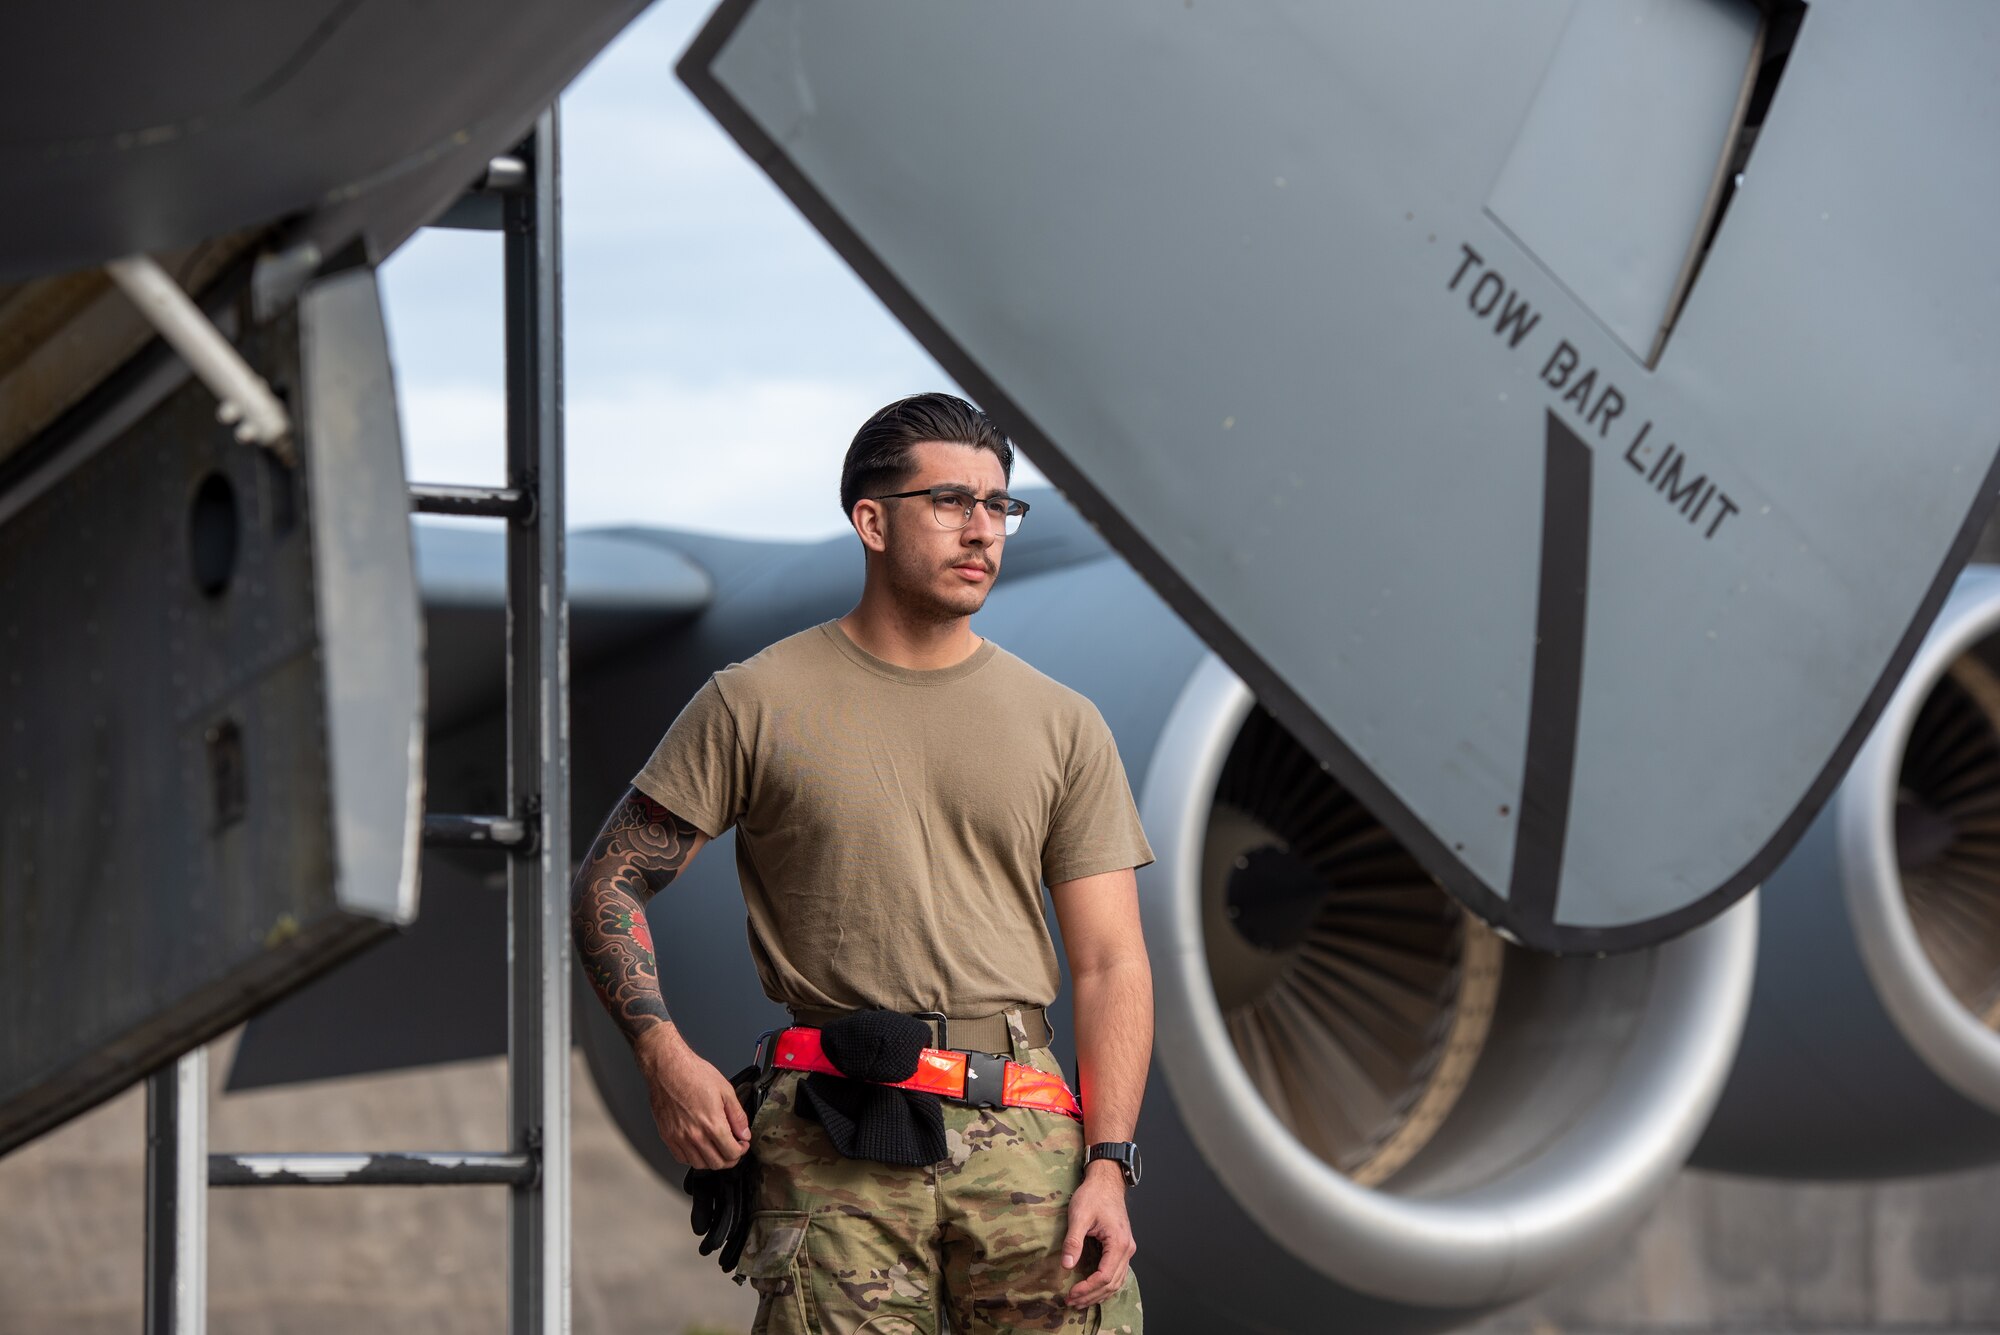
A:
{"x":724,"y":1198}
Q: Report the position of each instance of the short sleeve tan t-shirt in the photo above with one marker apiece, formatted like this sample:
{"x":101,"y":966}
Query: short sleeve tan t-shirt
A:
{"x":894,"y":827}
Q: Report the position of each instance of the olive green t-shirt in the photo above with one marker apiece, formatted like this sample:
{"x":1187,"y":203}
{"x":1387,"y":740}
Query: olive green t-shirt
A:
{"x":894,"y":827}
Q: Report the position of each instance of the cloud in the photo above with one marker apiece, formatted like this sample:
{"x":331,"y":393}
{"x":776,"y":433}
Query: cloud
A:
{"x":454,"y":432}
{"x":749,"y":456}
{"x":718,"y":354}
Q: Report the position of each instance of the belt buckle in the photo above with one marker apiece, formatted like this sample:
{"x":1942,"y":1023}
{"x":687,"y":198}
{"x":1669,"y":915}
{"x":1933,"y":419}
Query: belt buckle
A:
{"x":941,"y":1028}
{"x":985,"y":1080}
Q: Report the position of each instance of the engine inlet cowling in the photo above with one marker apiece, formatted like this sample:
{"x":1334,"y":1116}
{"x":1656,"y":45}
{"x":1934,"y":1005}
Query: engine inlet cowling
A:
{"x":1919,"y":841}
{"x":1873,"y":1044}
{"x":1415,"y":1109}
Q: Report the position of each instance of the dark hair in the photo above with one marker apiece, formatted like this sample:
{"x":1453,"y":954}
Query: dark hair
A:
{"x":880,"y":454}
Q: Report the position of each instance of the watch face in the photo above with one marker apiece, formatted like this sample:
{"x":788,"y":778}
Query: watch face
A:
{"x":1124,"y":1152}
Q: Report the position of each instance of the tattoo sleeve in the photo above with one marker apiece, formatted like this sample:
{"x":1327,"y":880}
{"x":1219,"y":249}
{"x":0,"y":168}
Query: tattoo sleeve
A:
{"x":638,"y":853}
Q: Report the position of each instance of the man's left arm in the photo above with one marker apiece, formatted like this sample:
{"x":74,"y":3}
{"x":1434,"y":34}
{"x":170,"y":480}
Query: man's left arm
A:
{"x":1112,"y":998}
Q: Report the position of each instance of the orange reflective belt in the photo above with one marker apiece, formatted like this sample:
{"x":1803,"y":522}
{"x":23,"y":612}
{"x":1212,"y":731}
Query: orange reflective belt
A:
{"x":939,"y":1072}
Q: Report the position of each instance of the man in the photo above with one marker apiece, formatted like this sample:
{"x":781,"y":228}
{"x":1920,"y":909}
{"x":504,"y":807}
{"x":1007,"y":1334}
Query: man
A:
{"x":901,"y":789}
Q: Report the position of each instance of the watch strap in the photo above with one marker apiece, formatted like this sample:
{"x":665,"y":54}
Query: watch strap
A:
{"x":1122,"y":1152}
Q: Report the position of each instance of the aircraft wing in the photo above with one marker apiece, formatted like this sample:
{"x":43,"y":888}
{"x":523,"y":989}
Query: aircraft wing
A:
{"x":1567,"y":418}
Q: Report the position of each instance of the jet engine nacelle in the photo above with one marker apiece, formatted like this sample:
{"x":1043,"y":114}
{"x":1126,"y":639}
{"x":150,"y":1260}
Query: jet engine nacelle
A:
{"x":1873,"y":1047}
{"x":1367,"y":1111}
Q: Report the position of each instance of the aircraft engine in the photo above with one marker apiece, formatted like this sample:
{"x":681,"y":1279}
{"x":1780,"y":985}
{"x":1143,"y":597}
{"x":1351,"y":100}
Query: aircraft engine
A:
{"x":1382,"y":1102}
{"x":1367,"y":1111}
{"x":1873,"y":1047}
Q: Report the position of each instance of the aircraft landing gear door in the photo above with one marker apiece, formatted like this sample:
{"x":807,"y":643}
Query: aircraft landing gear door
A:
{"x":1400,"y":348}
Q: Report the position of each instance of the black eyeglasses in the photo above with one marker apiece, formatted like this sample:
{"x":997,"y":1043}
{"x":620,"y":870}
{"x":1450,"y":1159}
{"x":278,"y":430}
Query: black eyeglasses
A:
{"x":952,"y":507}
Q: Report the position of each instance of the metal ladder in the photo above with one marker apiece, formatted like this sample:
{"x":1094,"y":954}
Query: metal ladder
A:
{"x":519,"y":196}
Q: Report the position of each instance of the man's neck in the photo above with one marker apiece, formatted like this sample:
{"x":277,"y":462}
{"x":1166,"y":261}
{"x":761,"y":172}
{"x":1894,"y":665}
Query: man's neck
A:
{"x":880,"y":628}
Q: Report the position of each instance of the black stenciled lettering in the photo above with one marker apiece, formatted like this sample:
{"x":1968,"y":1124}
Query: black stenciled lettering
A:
{"x":1691,"y":495}
{"x":1681,"y":497}
{"x":1609,"y":405}
{"x":1518,"y":314}
{"x":1632,"y":450}
{"x":1728,"y":509}
{"x":1471,"y":258}
{"x":1472,"y":298}
{"x":1580,"y":392}
{"x":1596,"y":400}
{"x":1556,"y":370}
{"x":1660,"y":464}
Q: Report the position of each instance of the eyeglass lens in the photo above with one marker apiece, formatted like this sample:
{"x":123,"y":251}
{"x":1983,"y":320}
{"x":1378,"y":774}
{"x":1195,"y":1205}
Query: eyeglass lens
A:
{"x":954,"y":510}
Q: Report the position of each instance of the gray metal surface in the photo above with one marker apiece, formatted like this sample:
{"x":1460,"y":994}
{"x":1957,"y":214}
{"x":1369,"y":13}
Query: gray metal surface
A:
{"x":1614,"y":212}
{"x":371,"y":650}
{"x":1236,"y":276}
{"x":139,"y":128}
{"x":197,"y":816}
{"x":538,"y":948}
{"x":482,"y":832}
{"x":176,"y":1299}
{"x":444,"y":1168}
{"x":478,"y":502}
{"x":1857,"y":1060}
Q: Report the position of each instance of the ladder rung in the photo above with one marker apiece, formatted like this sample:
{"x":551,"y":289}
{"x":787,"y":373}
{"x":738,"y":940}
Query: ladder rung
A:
{"x":479,"y":208}
{"x":449,"y":831}
{"x":490,"y":502}
{"x":505,"y":175}
{"x":371,"y":1170}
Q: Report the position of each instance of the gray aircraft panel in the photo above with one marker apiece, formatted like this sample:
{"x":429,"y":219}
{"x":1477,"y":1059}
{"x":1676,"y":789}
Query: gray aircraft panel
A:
{"x":211,"y":677}
{"x":1283,"y":298}
{"x":1658,"y":84}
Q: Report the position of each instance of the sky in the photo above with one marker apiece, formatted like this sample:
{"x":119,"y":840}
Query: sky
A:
{"x":718,"y":354}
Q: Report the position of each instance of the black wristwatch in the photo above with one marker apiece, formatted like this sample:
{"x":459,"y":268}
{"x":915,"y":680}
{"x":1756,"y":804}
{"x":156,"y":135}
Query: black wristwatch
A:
{"x":1124,"y":1151}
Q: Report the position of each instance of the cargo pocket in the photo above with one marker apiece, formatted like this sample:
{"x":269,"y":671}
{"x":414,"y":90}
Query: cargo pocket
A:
{"x":770,"y":1264}
{"x":1121,"y":1313}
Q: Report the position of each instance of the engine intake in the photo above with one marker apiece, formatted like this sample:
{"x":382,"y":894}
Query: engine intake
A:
{"x":1410,"y":1106}
{"x":1919,"y":838}
{"x":1872,"y":1048}
{"x":1356,"y":993}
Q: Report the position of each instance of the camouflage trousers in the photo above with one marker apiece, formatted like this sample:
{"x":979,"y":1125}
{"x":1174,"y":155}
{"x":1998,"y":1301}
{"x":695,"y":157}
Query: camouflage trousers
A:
{"x":971,"y":1245}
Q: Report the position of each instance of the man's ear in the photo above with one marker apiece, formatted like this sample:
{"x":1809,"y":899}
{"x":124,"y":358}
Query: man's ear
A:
{"x":871,"y":522}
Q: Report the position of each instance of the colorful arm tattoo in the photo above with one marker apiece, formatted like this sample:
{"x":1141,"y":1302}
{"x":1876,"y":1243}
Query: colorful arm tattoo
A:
{"x":638,"y":853}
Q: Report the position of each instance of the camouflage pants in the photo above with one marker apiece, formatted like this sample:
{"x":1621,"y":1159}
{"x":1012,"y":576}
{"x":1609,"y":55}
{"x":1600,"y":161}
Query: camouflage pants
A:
{"x":971,"y":1244}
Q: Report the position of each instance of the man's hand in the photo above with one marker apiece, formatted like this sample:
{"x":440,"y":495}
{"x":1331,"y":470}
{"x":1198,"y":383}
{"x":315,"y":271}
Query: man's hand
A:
{"x":1097,"y":1210}
{"x":694,"y":1106}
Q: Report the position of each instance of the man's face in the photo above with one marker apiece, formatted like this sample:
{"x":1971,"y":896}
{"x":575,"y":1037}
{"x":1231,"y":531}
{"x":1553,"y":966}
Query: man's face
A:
{"x":933,"y":571}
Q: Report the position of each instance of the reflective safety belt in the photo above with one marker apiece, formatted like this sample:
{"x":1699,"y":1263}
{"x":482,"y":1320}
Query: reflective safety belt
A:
{"x":981,"y":1079}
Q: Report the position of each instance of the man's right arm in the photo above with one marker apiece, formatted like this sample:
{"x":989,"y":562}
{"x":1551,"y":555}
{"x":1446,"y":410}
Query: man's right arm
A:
{"x":642,"y":848}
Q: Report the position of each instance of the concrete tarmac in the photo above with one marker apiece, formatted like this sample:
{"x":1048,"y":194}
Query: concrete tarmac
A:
{"x":1720,"y":1254}
{"x":334,"y":1261}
